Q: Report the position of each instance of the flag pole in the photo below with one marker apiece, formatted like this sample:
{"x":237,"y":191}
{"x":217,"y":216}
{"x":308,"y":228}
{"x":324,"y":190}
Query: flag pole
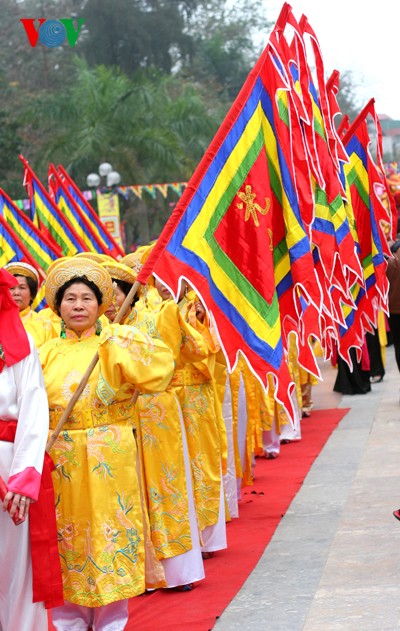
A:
{"x":41,"y":273}
{"x":71,"y":403}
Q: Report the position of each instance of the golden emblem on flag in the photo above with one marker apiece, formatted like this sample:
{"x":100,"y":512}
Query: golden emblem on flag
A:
{"x":252,"y":207}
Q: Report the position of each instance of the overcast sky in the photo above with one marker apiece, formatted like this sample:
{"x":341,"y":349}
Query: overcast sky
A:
{"x":357,"y":35}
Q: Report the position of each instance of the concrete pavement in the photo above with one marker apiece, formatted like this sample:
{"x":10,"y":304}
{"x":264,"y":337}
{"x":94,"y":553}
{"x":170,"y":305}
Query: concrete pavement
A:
{"x":333,"y":563}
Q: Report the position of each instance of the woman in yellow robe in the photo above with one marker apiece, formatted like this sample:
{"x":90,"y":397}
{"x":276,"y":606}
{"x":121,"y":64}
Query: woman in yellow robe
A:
{"x":276,"y":426}
{"x":246,"y":404}
{"x":24,"y":294}
{"x":99,"y":515}
{"x":123,"y":278}
{"x":205,"y":429}
{"x":149,"y":297}
{"x":162,"y":439}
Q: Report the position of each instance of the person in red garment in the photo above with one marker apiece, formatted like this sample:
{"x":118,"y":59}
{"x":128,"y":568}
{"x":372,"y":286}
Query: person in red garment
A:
{"x":27,"y":557}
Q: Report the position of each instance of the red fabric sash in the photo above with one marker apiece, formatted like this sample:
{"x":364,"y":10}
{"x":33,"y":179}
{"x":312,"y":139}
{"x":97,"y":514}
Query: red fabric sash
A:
{"x":13,"y":337}
{"x":46,"y":569}
{"x":8,"y":430}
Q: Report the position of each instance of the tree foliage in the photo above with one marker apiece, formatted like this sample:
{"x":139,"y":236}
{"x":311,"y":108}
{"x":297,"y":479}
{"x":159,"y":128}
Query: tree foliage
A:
{"x":145,"y":88}
{"x":225,"y":45}
{"x":151,"y":127}
{"x":34,"y":68}
{"x":134,"y":34}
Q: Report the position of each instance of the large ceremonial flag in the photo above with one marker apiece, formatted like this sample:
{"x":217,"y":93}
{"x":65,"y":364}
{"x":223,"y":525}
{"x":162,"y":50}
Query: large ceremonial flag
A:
{"x":237,"y":234}
{"x":52,"y":222}
{"x":363,"y":177}
{"x":111,"y":246}
{"x":296,"y":283}
{"x":269,"y":212}
{"x":35,"y":242}
{"x":369,"y":212}
{"x":73,"y":212}
{"x":331,"y":231}
{"x":12,"y":250}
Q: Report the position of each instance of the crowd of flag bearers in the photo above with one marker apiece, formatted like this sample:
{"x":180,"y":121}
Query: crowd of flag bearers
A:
{"x":150,"y":462}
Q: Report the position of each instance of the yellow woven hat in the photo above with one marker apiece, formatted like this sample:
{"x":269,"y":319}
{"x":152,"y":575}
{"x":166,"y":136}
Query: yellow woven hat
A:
{"x":94,"y":256}
{"x":56,"y":262}
{"x":145,"y":252}
{"x":76,"y":267}
{"x":22,"y":269}
{"x":133,"y":260}
{"x":136,"y":259}
{"x":120,"y":271}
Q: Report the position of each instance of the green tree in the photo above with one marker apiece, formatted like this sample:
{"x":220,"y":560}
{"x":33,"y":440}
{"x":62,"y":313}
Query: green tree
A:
{"x":151,"y":128}
{"x":10,"y":146}
{"x":211,"y":40}
{"x":226,"y":44}
{"x":134,"y":34}
{"x":35,"y":68}
{"x":178,"y":104}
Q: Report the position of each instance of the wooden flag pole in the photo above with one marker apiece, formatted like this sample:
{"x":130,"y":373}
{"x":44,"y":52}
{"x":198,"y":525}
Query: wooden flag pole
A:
{"x":71,"y":403}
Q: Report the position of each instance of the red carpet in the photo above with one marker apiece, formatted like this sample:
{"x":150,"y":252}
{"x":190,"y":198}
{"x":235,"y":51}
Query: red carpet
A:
{"x":261,"y":508}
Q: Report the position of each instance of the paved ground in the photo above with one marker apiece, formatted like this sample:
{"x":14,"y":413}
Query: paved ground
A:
{"x":333,"y":563}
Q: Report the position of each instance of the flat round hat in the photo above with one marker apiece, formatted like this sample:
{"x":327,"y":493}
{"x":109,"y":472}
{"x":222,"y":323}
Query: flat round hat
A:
{"x":120,"y":271}
{"x":76,"y":267}
{"x":22,"y":269}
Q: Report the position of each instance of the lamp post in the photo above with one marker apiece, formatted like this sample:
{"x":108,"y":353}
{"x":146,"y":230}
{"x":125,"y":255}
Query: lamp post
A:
{"x":107,"y":204}
{"x":112,"y":178}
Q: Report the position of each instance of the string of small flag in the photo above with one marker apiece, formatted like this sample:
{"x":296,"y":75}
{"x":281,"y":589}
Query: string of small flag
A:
{"x":137,"y":190}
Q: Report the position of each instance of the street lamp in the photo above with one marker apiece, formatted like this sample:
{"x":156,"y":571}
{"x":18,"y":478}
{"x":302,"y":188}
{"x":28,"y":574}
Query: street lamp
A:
{"x":112,"y":177}
{"x":107,"y":200}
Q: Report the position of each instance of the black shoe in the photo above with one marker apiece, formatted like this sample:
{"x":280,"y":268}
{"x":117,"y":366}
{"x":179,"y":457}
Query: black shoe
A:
{"x":376,"y":379}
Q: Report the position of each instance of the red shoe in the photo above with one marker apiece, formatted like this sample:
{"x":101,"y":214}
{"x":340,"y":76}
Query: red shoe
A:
{"x":396,"y":513}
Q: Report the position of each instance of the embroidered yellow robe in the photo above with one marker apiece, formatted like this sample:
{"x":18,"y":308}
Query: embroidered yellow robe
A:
{"x":160,"y":434}
{"x":98,"y":507}
{"x":205,"y":430}
{"x":40,"y":329}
